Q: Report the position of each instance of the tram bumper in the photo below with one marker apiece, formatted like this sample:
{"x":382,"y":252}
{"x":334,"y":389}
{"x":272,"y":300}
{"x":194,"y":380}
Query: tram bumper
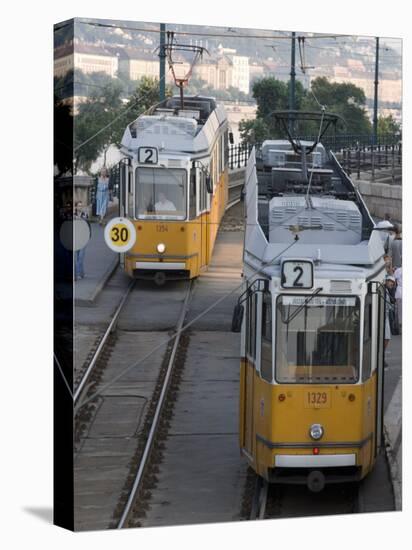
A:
{"x":159,"y":272}
{"x":315,"y":471}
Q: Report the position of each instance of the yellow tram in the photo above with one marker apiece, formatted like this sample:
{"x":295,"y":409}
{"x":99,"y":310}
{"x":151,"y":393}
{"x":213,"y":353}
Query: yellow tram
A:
{"x":312,"y":318}
{"x":174,"y":187}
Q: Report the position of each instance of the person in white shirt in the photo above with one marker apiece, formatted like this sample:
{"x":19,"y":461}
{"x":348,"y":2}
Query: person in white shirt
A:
{"x":398,"y":296}
{"x":386,"y":232}
{"x":164,"y":204}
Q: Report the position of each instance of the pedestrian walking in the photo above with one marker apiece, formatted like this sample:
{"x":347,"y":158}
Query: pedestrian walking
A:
{"x":389,"y":284}
{"x":102,"y":195}
{"x":79,"y":255}
{"x":398,"y":298}
{"x":385,"y":228}
{"x":396,"y":248}
{"x":388,"y":264}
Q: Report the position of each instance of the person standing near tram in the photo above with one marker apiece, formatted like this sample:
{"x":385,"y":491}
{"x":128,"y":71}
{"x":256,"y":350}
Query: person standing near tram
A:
{"x":102,"y":195}
{"x":80,"y":214}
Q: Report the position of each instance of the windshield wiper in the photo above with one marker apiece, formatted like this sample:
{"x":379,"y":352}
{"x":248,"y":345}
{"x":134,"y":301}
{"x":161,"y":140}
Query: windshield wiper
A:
{"x":308,"y":299}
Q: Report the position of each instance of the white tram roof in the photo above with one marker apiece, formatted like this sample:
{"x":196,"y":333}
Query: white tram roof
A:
{"x":169,"y":128}
{"x":331,"y":229}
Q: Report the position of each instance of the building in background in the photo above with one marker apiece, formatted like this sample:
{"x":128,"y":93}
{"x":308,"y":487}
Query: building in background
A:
{"x":85,"y":57}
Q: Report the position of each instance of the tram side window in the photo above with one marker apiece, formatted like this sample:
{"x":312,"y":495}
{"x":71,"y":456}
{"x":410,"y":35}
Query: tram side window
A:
{"x":192,"y":194}
{"x":226,"y":147}
{"x":222,"y":154}
{"x":381,"y":326}
{"x":367,"y":339}
{"x":130,"y":191}
{"x":247,"y":331}
{"x":251,"y":327}
{"x":217,"y":163}
{"x":266,"y":342}
{"x":202,"y":193}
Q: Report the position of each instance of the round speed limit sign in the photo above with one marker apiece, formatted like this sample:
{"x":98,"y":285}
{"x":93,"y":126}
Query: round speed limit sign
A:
{"x":120,"y":234}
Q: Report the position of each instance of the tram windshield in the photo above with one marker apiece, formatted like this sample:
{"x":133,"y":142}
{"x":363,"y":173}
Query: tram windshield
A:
{"x":161,"y":193}
{"x":319,"y":342}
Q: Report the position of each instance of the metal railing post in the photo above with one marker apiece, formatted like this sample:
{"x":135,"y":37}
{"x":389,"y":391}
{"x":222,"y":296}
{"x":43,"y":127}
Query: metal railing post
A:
{"x":393,"y":165}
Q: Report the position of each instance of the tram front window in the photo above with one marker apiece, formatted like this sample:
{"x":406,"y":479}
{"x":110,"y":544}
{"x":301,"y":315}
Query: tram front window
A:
{"x":319,"y":342}
{"x":161,"y":193}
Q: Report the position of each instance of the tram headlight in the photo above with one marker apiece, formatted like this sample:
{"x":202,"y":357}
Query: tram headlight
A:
{"x":316,"y":431}
{"x":161,"y":247}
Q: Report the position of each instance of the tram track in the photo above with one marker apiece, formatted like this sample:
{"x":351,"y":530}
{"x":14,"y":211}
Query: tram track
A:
{"x":271,"y":501}
{"x":156,"y":421}
{"x":87,"y":369}
{"x":115,"y":419}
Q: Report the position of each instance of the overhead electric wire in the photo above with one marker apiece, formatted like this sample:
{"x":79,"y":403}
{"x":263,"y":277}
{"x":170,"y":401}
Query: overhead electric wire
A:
{"x":207,"y":35}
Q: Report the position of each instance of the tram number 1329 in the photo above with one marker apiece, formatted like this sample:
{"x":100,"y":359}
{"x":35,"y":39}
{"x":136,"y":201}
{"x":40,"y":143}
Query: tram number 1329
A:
{"x":317,"y":399}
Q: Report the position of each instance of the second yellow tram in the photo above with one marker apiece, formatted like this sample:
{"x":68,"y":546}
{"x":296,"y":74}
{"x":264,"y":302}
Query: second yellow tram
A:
{"x":312,"y":317}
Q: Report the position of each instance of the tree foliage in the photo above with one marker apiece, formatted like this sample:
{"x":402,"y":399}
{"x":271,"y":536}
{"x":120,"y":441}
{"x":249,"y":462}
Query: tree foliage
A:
{"x":346,"y":100}
{"x":102,"y":119}
{"x":63,"y":134}
{"x":388,"y":125}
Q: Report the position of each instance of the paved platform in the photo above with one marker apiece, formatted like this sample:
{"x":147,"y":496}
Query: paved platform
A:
{"x":99,"y":264}
{"x":393,"y":415}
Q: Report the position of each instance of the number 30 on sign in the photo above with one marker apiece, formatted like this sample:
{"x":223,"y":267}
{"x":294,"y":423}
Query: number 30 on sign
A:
{"x":120,"y":234}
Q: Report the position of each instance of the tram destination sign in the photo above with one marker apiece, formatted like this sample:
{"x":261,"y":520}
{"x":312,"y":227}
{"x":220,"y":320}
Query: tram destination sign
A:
{"x":318,"y":301}
{"x":297,"y":274}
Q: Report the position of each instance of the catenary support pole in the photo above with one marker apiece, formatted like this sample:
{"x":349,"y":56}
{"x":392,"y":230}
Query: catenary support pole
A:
{"x":292,"y":78}
{"x":375,"y":98}
{"x":162,"y":56}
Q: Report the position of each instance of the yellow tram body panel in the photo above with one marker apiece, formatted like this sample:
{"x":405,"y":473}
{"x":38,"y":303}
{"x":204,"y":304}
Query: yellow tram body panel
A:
{"x":275,"y":420}
{"x":188,"y":243}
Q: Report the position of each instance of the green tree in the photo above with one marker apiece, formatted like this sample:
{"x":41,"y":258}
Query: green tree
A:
{"x":254,"y":131}
{"x":145,"y":96}
{"x":102,"y":119}
{"x":388,"y":125}
{"x":344,"y":99}
{"x":271,"y":95}
{"x":63,"y":137}
{"x":97,"y":125}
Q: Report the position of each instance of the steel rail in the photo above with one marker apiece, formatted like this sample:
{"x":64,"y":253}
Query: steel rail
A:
{"x":152,"y":433}
{"x":101,"y":345}
{"x":234,"y":186}
{"x":260,"y":497}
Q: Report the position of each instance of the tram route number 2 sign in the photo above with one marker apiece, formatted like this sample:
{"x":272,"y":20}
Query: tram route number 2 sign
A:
{"x":147,"y":155}
{"x":297,"y":274}
{"x":120,"y":234}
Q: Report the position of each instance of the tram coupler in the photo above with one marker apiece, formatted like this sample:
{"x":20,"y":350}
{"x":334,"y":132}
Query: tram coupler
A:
{"x":160,"y":278}
{"x":315,"y":481}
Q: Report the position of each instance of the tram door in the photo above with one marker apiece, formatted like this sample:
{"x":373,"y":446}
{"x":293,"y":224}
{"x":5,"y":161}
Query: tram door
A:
{"x":380,"y":367}
{"x":124,"y":186}
{"x":125,"y":181}
{"x":250,"y":368}
{"x":203,"y":200}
